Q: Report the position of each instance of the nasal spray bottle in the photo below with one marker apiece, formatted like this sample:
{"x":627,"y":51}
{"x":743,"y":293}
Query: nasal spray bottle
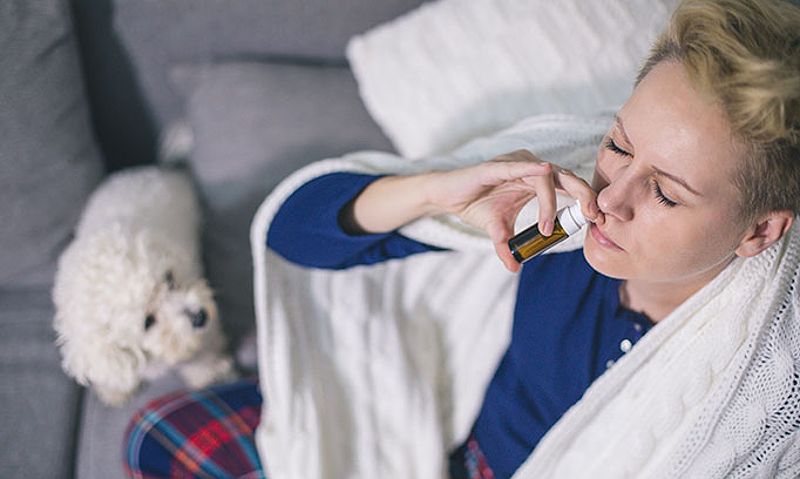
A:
{"x":530,"y":242}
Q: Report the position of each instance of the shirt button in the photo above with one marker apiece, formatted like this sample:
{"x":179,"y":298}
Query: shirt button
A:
{"x":609,"y":363}
{"x":637,"y":326}
{"x":625,"y":345}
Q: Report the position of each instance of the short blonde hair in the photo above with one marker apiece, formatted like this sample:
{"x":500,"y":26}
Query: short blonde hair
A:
{"x":745,"y":55}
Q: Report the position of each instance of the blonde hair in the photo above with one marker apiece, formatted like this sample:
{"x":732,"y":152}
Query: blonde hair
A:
{"x":745,"y":55}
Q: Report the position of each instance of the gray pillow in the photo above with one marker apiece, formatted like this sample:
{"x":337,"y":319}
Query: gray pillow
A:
{"x":253,"y":124}
{"x":48,"y":159}
{"x":162,"y":33}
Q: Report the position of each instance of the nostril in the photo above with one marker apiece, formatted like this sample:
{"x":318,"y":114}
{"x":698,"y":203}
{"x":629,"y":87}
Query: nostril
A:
{"x":198,"y":318}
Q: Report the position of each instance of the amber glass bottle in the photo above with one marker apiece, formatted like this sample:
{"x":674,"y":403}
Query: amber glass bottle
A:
{"x":529,"y":242}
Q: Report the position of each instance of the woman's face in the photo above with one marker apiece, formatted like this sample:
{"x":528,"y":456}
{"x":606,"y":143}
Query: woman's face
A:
{"x":664,"y":181}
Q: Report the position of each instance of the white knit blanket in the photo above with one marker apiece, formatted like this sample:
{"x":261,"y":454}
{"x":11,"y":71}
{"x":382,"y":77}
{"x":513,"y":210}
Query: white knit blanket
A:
{"x":377,"y":371}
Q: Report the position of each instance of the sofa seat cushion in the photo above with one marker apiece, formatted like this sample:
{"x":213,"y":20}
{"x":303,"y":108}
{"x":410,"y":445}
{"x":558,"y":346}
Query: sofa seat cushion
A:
{"x":39,"y":410}
{"x":102,"y":429}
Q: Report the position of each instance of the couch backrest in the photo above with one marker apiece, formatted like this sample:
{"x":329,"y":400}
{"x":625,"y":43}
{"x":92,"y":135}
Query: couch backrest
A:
{"x":130,"y":46}
{"x":49,"y":162}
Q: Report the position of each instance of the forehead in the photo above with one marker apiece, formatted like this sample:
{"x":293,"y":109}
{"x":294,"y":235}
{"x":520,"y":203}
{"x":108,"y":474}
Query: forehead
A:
{"x":675,"y":128}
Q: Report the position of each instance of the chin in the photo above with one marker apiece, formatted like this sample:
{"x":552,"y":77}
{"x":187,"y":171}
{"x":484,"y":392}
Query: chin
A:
{"x":609,"y":263}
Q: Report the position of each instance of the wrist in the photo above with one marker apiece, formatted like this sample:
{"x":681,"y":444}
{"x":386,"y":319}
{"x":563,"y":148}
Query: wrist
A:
{"x":393,"y":201}
{"x":428,"y":184}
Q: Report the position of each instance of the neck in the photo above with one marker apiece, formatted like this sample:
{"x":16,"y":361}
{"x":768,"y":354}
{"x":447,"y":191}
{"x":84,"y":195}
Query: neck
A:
{"x":653,"y":300}
{"x":657,"y":300}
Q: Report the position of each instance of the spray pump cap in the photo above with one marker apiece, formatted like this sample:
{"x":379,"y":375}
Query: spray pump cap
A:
{"x":571,"y":218}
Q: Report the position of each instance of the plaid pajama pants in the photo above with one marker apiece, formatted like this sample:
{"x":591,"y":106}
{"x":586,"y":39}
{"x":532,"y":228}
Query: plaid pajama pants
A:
{"x":208,"y":434}
{"x":204,"y":434}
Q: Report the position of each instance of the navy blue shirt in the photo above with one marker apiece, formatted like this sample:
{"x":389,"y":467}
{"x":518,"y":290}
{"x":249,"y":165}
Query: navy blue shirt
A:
{"x":568,"y":326}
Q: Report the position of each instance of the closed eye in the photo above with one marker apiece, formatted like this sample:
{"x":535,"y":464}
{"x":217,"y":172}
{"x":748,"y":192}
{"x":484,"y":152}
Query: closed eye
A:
{"x":613,"y":147}
{"x":660,"y":196}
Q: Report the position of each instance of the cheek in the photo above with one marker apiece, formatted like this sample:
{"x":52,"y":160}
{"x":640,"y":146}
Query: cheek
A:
{"x":681,"y":246}
{"x":662,"y":245}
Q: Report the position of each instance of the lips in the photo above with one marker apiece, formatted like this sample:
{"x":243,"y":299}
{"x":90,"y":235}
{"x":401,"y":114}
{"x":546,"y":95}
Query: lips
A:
{"x":602,"y":239}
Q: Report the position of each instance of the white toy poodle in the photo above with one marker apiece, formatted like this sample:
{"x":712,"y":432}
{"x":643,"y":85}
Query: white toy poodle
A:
{"x":130,"y":297}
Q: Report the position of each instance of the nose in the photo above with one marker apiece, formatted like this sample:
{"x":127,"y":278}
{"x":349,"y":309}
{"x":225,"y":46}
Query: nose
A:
{"x":198,"y":318}
{"x":617,"y":198}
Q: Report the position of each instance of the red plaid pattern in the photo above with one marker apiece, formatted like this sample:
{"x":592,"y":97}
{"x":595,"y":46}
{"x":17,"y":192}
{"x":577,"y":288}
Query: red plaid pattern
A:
{"x":203,"y":434}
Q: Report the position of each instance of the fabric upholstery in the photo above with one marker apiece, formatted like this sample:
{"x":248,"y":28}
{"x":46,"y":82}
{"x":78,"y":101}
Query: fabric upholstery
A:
{"x":158,"y":34}
{"x":253,"y":124}
{"x":101,"y":436}
{"x":38,"y":417}
{"x":121,"y":117}
{"x":48,"y":166}
{"x":48,"y":159}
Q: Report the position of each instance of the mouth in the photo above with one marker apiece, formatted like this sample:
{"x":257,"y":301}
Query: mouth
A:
{"x":602,"y":239}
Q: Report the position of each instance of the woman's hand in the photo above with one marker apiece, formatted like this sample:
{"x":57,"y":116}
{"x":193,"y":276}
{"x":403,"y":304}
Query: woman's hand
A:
{"x":490,"y":195}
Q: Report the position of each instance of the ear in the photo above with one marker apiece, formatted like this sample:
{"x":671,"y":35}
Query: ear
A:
{"x":110,"y":369}
{"x":766,"y":231}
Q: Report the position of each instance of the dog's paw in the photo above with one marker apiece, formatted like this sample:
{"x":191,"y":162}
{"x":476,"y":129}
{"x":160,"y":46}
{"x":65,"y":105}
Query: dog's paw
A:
{"x":208,"y":370}
{"x":223,"y":369}
{"x":112,"y":397}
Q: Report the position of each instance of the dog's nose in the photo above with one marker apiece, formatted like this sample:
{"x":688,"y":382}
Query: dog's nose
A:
{"x":198,"y":318}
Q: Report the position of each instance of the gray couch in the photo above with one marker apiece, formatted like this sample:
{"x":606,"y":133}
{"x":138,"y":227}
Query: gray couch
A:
{"x":89,"y":87}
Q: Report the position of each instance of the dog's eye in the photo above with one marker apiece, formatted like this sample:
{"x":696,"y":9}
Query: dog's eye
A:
{"x":149,"y":321}
{"x":169,"y":278}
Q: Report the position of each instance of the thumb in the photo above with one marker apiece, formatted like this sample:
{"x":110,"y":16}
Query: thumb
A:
{"x":500,"y":233}
{"x":511,"y":264}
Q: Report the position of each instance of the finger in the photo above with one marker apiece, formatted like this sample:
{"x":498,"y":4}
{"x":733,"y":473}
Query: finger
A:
{"x":580,"y":189}
{"x":500,"y":233}
{"x":546,"y":194}
{"x":511,"y":264}
{"x":504,"y":170}
{"x":518,"y":155}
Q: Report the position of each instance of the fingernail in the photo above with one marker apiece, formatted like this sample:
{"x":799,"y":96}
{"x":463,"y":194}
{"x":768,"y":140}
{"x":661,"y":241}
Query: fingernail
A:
{"x":594,"y":210}
{"x":547,"y":228}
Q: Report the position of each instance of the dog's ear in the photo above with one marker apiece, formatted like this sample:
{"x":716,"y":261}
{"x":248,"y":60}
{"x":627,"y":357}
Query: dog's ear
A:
{"x":113,"y":371}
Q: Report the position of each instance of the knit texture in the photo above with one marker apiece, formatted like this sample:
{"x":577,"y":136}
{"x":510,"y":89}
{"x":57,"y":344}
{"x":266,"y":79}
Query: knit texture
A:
{"x":395,"y":357}
{"x":711,"y":392}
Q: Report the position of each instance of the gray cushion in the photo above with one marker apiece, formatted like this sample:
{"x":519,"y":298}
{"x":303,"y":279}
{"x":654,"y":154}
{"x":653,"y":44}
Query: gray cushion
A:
{"x":254,"y":123}
{"x":102,"y":429}
{"x":39,"y":402}
{"x":158,"y":34}
{"x":48,"y":159}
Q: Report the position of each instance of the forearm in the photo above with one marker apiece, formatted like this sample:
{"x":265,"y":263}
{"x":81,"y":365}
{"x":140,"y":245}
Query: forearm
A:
{"x":393,"y":201}
{"x":307,"y":228}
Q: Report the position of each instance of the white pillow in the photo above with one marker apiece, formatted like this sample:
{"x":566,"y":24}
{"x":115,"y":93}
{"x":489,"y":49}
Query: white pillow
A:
{"x":455,"y":69}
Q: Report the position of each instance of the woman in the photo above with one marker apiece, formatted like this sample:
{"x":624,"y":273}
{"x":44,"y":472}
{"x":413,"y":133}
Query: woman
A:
{"x":702,"y":160}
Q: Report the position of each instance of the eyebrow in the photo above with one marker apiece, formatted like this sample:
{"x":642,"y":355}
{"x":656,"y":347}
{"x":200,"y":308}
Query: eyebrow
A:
{"x":676,"y":179}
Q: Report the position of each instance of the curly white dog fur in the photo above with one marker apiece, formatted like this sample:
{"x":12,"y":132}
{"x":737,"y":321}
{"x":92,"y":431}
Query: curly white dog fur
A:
{"x":130,"y":298}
